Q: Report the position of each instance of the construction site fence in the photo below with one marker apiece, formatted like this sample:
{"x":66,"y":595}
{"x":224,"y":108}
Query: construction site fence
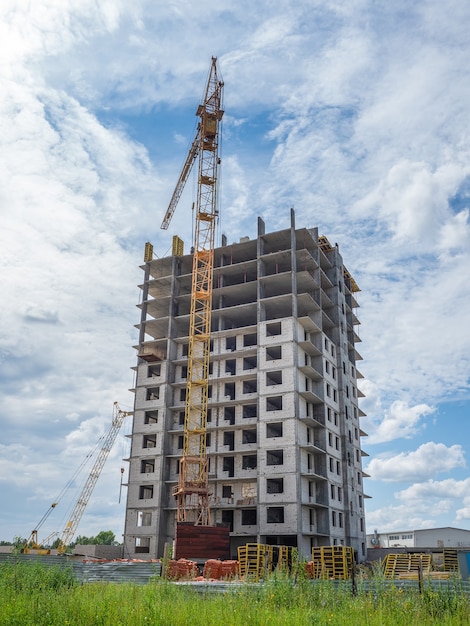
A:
{"x":121,"y":571}
{"x":142,"y":572}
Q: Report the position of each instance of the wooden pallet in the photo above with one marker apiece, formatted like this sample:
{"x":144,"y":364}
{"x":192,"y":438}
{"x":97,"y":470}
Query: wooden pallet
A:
{"x":396,"y":564}
{"x":334,"y":562}
{"x":451,"y":560}
{"x":284,"y":558}
{"x":255,"y":561}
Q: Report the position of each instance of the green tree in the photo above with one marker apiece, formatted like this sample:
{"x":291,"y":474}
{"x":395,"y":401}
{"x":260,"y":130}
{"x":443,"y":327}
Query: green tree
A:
{"x":103,"y":538}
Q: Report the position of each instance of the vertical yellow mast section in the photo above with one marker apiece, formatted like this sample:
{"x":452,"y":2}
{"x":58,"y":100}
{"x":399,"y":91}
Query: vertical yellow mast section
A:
{"x":192,"y":492}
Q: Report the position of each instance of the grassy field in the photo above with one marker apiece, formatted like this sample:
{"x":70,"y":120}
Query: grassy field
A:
{"x":35,"y":595}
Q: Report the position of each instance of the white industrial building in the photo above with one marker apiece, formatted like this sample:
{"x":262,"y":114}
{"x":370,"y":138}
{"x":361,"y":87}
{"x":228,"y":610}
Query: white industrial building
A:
{"x":284,"y":435}
{"x":446,"y":537}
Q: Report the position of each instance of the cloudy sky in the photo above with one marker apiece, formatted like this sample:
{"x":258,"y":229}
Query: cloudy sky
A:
{"x":354,"y":112}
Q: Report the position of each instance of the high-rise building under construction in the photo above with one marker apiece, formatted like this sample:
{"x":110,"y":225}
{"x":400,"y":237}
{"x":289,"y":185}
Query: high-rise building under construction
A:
{"x":282,"y":436}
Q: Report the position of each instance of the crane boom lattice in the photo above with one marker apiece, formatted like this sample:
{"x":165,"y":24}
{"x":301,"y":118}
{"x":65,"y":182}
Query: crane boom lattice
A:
{"x":80,"y":505}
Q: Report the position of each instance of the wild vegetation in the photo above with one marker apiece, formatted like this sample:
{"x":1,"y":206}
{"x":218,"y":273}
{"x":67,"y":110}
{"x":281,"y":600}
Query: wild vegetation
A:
{"x":36,"y":595}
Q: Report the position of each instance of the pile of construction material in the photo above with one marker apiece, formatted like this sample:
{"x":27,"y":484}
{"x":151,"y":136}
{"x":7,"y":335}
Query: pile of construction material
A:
{"x":185,"y":569}
{"x":257,"y":560}
{"x":416,"y":565}
{"x":221,"y":570}
{"x":331,"y":562}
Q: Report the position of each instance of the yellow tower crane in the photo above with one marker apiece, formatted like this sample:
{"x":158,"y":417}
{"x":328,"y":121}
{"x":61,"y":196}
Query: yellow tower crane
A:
{"x":192,"y":491}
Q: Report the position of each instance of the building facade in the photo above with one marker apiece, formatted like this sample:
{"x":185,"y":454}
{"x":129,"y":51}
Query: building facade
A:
{"x":283,"y":436}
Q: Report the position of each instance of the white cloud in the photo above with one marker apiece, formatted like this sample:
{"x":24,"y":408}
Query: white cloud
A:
{"x":403,"y":517}
{"x":399,"y":421}
{"x":424,"y":505}
{"x":432,"y":490}
{"x":427,"y":461}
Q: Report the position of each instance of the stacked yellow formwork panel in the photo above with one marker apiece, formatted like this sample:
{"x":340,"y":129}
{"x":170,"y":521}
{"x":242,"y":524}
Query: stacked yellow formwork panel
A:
{"x":333,"y":562}
{"x":255,"y":561}
{"x":396,"y":565}
{"x":451,"y":561}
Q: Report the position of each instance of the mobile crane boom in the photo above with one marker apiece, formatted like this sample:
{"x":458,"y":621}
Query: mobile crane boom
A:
{"x":76,"y":515}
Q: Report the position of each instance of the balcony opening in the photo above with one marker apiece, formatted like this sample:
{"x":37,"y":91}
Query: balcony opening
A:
{"x":275,"y":485}
{"x":274,"y":457}
{"x":227,"y":519}
{"x":231,"y":343}
{"x":249,"y":363}
{"x":250,"y":340}
{"x":149,"y":441}
{"x":151,"y":417}
{"x":275,"y":515}
{"x":228,"y":465}
{"x":145,"y":492}
{"x":142,"y":545}
{"x":248,"y":517}
{"x":249,"y":436}
{"x":273,"y":329}
{"x":153,"y":393}
{"x":144,"y":518}
{"x":250,"y":386}
{"x":274,"y":403}
{"x":229,"y":439}
{"x":229,"y":391}
{"x":229,"y":414}
{"x":273,"y":378}
{"x":227,"y":492}
{"x":154,"y":371}
{"x":249,"y":462}
{"x":147,"y":466}
{"x":249,"y":410}
{"x":273,"y":429}
{"x":230,"y":366}
{"x":274,"y":353}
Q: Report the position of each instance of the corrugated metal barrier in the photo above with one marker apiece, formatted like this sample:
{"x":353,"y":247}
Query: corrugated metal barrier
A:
{"x":138,"y":572}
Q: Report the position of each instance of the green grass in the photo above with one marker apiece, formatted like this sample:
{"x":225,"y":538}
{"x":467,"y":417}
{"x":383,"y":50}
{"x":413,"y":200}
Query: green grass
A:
{"x":35,"y":595}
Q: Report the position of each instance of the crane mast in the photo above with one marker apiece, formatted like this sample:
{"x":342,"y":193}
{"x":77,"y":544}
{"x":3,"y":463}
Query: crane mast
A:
{"x":192,"y":491}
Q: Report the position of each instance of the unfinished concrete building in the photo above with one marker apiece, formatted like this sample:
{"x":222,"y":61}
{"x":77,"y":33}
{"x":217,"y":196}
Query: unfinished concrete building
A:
{"x":283,"y":427}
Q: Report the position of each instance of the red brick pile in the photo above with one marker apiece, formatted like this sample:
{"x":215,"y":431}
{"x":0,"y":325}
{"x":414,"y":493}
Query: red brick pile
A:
{"x":182,"y":570}
{"x":220,"y":570}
